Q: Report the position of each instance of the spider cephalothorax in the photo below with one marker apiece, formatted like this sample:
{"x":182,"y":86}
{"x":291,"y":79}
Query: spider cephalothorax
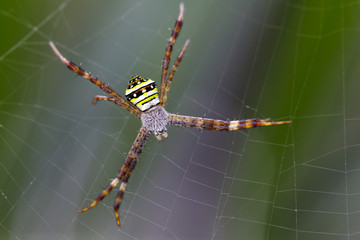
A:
{"x":144,"y":102}
{"x":155,"y":120}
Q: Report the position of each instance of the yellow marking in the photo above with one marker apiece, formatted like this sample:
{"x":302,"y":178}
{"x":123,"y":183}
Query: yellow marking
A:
{"x":90,"y":206}
{"x":219,"y":123}
{"x":137,"y":86}
{"x":131,"y":155}
{"x":200,"y":121}
{"x":144,"y":94}
{"x":147,"y":99}
{"x":133,"y":78}
{"x":102,"y":195}
{"x":117,"y":218}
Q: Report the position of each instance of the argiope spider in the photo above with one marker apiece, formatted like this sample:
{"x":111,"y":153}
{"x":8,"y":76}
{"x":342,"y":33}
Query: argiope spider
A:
{"x":143,"y":101}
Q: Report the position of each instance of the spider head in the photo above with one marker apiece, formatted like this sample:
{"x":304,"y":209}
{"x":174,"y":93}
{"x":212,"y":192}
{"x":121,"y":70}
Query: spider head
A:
{"x":142,"y":92}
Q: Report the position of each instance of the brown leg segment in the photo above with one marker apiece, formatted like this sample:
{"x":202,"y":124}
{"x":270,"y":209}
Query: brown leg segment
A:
{"x":124,"y":173}
{"x":73,"y":67}
{"x":171,"y":75}
{"x":168,"y":51}
{"x":220,"y":125}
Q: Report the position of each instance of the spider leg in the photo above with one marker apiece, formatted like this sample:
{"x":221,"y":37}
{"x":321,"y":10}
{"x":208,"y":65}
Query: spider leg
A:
{"x":168,"y":51}
{"x":124,"y":173}
{"x":220,"y":125}
{"x":133,"y":156}
{"x":73,"y":67}
{"x":171,"y":75}
{"x":122,"y":188}
{"x":106,"y":98}
{"x":106,"y":191}
{"x":113,"y":183}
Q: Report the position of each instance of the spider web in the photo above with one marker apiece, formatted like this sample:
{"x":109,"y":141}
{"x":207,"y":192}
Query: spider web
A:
{"x":281,"y":59}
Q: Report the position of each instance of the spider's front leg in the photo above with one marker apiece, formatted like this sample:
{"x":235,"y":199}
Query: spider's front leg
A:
{"x":169,"y":48}
{"x":116,"y":98}
{"x":166,"y":83}
{"x":171,"y":75}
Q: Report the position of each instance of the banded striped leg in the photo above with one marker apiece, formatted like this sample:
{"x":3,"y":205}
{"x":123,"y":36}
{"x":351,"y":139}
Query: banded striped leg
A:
{"x":122,"y":188}
{"x":220,"y":125}
{"x":134,"y":153}
{"x":124,"y":174}
{"x":171,"y":75}
{"x":73,"y":67}
{"x":106,"y":98}
{"x":168,"y":51}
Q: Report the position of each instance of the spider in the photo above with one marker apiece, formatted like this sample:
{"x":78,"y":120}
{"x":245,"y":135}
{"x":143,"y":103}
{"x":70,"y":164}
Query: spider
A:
{"x":145,"y":102}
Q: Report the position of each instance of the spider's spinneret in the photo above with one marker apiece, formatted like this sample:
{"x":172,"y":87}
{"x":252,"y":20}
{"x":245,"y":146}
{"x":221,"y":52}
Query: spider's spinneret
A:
{"x":142,"y":92}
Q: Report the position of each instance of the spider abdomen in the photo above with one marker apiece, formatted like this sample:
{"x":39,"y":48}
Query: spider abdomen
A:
{"x":142,"y":92}
{"x":155,"y":120}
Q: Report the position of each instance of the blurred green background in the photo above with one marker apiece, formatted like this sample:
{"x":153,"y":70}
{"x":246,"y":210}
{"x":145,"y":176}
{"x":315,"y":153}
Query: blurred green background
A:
{"x":282,"y":59}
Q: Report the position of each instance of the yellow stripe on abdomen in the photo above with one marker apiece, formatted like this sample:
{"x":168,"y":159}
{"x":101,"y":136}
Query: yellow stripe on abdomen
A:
{"x":142,"y":92}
